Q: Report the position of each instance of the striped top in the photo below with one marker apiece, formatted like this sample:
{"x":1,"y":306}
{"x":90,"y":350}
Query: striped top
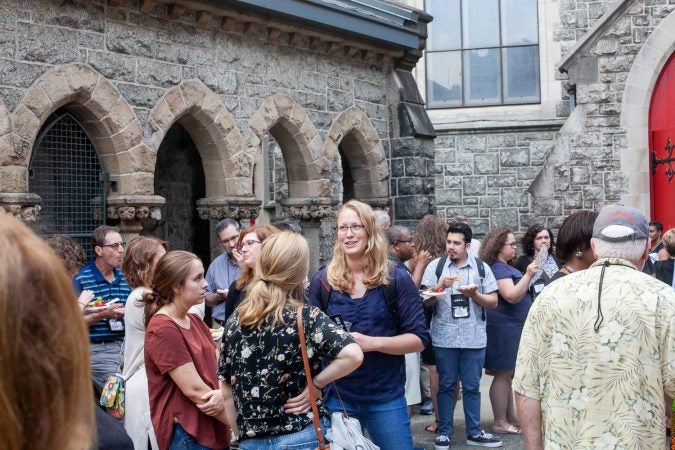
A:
{"x":89,"y":277}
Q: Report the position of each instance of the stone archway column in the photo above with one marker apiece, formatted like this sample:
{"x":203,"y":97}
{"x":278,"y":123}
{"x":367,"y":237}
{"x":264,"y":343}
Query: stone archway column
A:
{"x":237,"y":208}
{"x":24,"y":206}
{"x":132,"y":210}
{"x":311,"y":212}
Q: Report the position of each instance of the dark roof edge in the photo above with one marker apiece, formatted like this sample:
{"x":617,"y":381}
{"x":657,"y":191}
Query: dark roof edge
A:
{"x":383,"y":23}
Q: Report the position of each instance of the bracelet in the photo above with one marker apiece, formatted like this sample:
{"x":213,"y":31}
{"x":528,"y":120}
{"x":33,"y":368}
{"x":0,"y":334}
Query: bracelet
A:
{"x":314,"y":384}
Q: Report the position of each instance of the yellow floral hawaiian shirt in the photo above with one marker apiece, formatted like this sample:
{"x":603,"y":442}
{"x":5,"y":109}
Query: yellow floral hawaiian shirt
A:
{"x":604,"y":389}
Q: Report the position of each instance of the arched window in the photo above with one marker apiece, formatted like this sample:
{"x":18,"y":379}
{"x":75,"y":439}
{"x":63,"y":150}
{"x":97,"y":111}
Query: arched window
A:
{"x":66,"y":172}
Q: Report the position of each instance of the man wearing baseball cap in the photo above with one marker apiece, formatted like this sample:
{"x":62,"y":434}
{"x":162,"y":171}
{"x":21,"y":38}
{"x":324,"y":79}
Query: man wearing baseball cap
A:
{"x":597,"y":351}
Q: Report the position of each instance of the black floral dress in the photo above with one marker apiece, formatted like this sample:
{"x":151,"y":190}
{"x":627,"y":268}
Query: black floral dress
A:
{"x":264,"y":367}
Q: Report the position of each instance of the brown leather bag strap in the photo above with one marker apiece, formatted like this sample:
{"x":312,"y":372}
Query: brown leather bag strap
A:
{"x":310,"y":383}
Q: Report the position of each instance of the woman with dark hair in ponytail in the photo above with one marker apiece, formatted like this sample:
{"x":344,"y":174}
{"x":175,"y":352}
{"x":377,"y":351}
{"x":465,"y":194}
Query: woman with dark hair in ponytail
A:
{"x":187,"y":408}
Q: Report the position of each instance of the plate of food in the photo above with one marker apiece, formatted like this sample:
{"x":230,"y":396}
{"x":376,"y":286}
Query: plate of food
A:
{"x":217,"y":333}
{"x":99,"y":305}
{"x":431,"y":293}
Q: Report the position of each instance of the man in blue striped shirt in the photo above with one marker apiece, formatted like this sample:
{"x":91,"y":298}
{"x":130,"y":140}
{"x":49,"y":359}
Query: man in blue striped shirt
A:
{"x":104,"y":277}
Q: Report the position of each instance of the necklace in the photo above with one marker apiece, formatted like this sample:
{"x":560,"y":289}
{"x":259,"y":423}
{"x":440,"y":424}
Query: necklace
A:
{"x":568,"y":268}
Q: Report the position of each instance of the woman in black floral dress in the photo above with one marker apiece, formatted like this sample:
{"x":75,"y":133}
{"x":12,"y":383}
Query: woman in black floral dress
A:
{"x":260,"y":362}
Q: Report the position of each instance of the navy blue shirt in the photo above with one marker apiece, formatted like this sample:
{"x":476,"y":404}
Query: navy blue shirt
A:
{"x":381,"y":377}
{"x":90,"y":278}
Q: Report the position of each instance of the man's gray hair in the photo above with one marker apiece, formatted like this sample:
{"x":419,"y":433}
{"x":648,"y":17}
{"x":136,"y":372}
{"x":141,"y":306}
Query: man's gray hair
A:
{"x":631,"y":250}
{"x":395,"y":233}
{"x":382,"y":217}
{"x":220,"y":226}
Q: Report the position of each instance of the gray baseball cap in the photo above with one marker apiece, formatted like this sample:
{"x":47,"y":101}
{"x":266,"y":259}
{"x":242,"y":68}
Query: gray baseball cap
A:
{"x":616,"y":223}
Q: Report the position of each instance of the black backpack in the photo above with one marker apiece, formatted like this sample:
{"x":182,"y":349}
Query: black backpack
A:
{"x":479,"y":267}
{"x":390,"y":292}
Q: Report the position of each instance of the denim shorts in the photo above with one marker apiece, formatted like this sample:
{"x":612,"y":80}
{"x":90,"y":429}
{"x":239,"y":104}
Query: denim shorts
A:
{"x":304,"y":439}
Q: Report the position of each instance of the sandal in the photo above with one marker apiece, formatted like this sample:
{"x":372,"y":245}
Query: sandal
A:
{"x":512,"y":429}
{"x":432,"y":427}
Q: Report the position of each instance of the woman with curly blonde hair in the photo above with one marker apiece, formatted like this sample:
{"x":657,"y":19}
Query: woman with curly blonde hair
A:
{"x":385,"y":328}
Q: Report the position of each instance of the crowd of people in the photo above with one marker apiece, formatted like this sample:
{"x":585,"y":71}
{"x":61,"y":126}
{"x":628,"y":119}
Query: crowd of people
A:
{"x":577,"y":334}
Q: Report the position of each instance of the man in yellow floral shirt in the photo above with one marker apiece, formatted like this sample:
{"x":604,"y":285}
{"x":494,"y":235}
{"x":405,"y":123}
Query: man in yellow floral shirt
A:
{"x":598,"y":349}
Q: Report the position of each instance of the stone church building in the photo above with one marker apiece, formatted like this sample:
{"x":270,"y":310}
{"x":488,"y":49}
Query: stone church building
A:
{"x":164,"y":117}
{"x":546,"y":106}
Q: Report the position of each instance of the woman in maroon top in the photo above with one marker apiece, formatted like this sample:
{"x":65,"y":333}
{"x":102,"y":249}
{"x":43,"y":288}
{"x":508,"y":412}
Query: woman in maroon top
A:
{"x":186,"y":406}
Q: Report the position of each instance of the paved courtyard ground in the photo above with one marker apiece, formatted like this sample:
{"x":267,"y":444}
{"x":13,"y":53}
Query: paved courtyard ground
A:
{"x":424,"y":439}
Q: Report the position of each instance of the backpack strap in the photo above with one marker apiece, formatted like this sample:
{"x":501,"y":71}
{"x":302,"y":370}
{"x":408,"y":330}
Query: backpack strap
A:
{"x":390,"y":292}
{"x":439,"y":267}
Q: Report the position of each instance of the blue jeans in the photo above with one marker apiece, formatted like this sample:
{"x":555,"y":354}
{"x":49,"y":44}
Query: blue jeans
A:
{"x":182,"y":440}
{"x":388,"y":424}
{"x":304,"y":439}
{"x":467,"y":363}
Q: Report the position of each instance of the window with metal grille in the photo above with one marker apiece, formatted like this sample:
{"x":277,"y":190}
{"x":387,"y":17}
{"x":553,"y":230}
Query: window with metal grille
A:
{"x":64,"y":171}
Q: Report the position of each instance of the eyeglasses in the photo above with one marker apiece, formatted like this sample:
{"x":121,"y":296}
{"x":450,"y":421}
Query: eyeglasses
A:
{"x":342,"y":229}
{"x":115,"y":246}
{"x":247,"y":244}
{"x":404,"y":242}
{"x":232,"y":239}
{"x":511,"y":244}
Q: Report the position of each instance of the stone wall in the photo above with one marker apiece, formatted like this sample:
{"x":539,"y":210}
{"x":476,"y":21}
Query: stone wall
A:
{"x":129,"y":76}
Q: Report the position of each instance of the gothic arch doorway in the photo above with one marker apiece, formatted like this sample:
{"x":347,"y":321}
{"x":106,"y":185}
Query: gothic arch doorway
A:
{"x":66,"y":172}
{"x":662,"y":146}
{"x":179,"y":178}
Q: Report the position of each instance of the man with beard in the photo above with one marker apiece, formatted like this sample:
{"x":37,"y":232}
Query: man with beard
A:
{"x":224,"y":269}
{"x":105,"y":279}
{"x":458,"y":332}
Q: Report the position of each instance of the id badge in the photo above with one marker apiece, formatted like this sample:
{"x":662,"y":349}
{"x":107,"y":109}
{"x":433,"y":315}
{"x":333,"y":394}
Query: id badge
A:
{"x":337,"y":318}
{"x":460,"y":306}
{"x":115,"y":325}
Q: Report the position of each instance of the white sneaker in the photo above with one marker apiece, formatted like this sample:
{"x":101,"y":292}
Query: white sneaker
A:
{"x":442,"y":443}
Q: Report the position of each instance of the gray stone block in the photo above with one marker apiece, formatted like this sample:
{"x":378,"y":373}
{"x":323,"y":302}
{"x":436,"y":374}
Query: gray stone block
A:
{"x":449,"y":196}
{"x":540,"y":150}
{"x":346,"y":83}
{"x":10,"y":97}
{"x":452,"y":182}
{"x":501,"y":181}
{"x":573,"y":200}
{"x":514,"y":197}
{"x":397,"y":167}
{"x":445,"y":156}
{"x":322,"y":120}
{"x":445,"y":141}
{"x":579,"y":175}
{"x":470,"y":200}
{"x":7,"y":44}
{"x":490,"y":202}
{"x":471,"y":144}
{"x":158,"y":74}
{"x":415,"y":167}
{"x":113,"y":66}
{"x":43,"y":44}
{"x":373,"y":110}
{"x":411,"y":207}
{"x":528,"y":174}
{"x":19,"y":74}
{"x":218,"y":79}
{"x":370,"y":92}
{"x":480,"y":227}
{"x":142,"y":96}
{"x":459,"y":169}
{"x":339,"y":100}
{"x":410,"y":186}
{"x":310,"y":100}
{"x":501,"y":140}
{"x":547,"y":207}
{"x":516,"y":157}
{"x":474,"y":185}
{"x":312,"y":81}
{"x":468,"y":211}
{"x":130,"y":40}
{"x":182,"y":33}
{"x":94,"y":41}
{"x":504,"y":217}
{"x":174,"y":53}
{"x":593,"y":193}
{"x":81,"y":15}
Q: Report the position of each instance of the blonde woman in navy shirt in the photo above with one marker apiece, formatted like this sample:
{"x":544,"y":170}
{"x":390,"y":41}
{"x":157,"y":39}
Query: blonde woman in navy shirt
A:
{"x":356,"y":274}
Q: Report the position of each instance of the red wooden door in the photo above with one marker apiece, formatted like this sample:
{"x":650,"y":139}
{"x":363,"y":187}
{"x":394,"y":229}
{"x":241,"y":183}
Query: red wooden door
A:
{"x":662,"y":147}
{"x":663,"y":177}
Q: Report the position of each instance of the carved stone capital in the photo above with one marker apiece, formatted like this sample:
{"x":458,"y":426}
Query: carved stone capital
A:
{"x":310,"y":209}
{"x":131,"y":210}
{"x":22,"y":206}
{"x":237,"y":208}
